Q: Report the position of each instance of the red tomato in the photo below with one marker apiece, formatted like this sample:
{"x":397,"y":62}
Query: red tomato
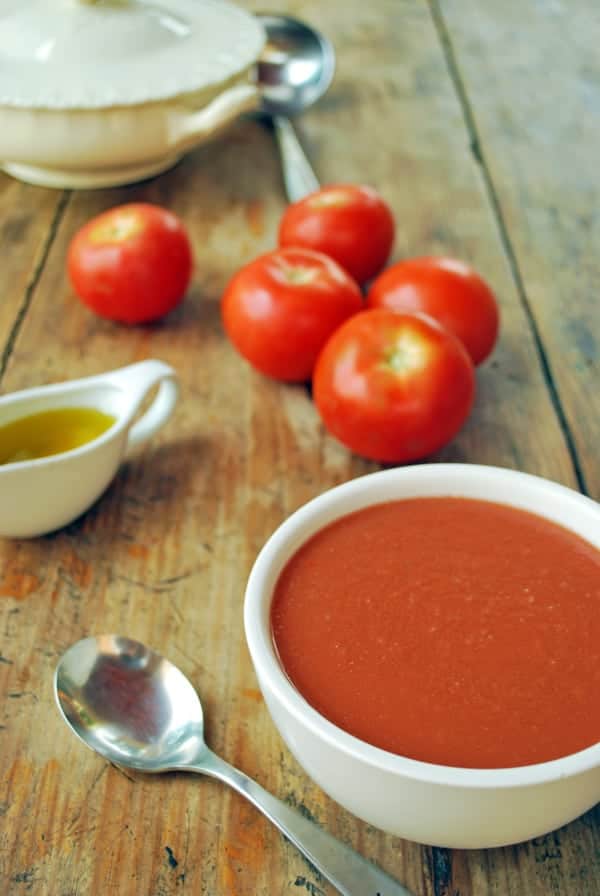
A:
{"x":393,"y":387}
{"x":281,"y":308}
{"x":351,"y":224}
{"x":447,"y":290}
{"x":132,"y":263}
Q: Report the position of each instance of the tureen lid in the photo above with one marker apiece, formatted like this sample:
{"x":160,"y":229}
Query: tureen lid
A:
{"x":94,"y":53}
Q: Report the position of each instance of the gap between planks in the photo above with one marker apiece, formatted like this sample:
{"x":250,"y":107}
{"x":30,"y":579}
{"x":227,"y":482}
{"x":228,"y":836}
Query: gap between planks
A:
{"x":495,"y":204}
{"x":33,"y":282}
{"x":441,"y":861}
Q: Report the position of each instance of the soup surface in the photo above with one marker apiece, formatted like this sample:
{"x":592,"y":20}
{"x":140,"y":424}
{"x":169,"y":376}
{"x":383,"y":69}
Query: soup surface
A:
{"x":448,"y":630}
{"x":50,"y":432}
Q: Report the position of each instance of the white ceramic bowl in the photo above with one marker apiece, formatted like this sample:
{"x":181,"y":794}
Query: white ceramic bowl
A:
{"x":433,"y":804}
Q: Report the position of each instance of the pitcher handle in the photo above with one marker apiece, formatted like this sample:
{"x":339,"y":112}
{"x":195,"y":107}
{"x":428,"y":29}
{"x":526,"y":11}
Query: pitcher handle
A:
{"x":136,"y":380}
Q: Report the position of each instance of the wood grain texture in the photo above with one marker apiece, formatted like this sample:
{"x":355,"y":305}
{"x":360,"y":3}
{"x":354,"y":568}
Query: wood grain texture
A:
{"x":165,"y":554}
{"x":531,"y":81}
{"x":28,"y":221}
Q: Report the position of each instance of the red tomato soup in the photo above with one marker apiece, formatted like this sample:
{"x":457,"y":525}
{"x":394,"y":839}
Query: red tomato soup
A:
{"x":449,"y":630}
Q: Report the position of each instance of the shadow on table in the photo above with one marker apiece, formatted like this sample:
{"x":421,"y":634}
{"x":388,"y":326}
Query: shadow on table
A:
{"x":147,"y":496}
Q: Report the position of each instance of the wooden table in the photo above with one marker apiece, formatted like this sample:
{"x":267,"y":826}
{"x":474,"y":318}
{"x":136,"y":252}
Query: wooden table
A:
{"x":480,"y":122}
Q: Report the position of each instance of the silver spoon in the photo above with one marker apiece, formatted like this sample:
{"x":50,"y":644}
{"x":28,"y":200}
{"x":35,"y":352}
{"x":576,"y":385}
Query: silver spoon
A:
{"x":139,"y":711}
{"x":295,"y":69}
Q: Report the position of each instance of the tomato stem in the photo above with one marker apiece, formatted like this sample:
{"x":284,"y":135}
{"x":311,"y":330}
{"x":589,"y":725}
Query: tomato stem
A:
{"x":117,"y":228}
{"x":406,"y":353}
{"x":329,"y":198}
{"x":299,"y":275}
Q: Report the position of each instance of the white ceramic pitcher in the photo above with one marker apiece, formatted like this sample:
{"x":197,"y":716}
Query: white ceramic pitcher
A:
{"x":41,"y":495}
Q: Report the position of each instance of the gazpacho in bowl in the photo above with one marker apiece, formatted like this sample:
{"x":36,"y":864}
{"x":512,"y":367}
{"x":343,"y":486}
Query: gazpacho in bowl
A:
{"x":449,"y":630}
{"x":427,"y":640}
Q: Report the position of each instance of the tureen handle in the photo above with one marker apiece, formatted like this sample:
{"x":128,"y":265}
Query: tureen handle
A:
{"x":191,"y":128}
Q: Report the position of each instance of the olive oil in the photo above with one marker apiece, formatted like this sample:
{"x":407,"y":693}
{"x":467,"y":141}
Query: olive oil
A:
{"x":51,"y":432}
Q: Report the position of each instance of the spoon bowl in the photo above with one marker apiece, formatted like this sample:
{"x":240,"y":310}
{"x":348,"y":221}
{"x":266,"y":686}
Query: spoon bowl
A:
{"x":129,"y":704}
{"x":294,"y":70}
{"x":295,"y":67}
{"x":137,"y":710}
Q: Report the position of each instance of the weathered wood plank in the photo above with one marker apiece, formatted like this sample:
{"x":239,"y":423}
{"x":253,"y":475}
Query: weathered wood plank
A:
{"x":165,"y":554}
{"x":532,"y":93}
{"x":29,"y":218}
{"x":529,"y":83}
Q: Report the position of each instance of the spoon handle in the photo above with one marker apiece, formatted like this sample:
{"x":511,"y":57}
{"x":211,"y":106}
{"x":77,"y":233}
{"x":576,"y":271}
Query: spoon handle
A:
{"x":348,"y":871}
{"x":298,"y":176}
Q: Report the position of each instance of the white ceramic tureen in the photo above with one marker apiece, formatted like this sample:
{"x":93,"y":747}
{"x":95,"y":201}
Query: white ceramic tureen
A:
{"x":95,"y":94}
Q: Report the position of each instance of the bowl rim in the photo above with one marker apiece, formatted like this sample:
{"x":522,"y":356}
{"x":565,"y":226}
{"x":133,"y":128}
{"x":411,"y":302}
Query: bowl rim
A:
{"x":309,"y":518}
